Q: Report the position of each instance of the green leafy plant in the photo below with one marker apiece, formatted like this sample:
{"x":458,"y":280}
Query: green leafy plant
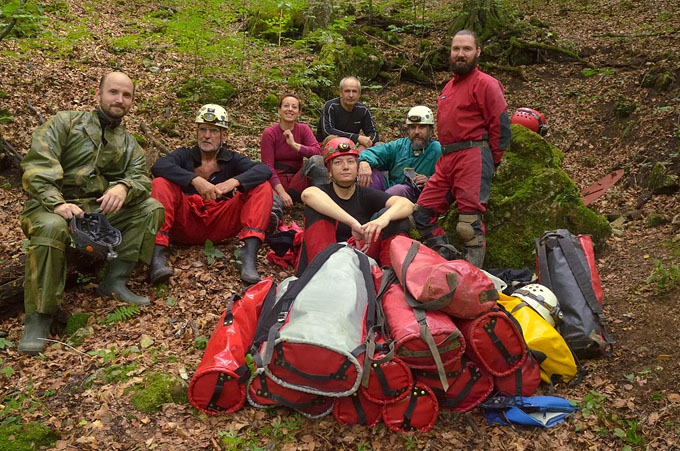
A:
{"x":5,"y":343}
{"x":122,"y":313}
{"x":664,"y":279}
{"x":200,"y":342}
{"x":211,"y":252}
{"x":628,"y":432}
{"x":591,"y":403}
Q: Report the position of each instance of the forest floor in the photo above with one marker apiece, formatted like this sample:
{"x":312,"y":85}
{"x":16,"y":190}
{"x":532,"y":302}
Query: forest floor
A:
{"x":629,"y":399}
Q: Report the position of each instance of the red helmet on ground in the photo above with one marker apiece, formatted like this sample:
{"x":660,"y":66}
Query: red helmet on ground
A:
{"x":531,"y":119}
{"x":339,"y":146}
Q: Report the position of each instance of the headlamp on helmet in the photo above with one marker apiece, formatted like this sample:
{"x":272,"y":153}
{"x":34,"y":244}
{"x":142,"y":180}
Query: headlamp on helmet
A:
{"x":541,"y":299}
{"x":337,"y":147}
{"x":213,"y":114}
{"x":531,"y":119}
{"x":94,"y":235}
{"x":420,"y":115}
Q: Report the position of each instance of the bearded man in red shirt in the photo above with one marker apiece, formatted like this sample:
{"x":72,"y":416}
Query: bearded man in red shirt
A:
{"x":473,"y":128}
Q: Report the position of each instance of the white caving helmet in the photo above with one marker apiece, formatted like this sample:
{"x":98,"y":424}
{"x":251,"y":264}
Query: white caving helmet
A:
{"x":420,"y":115}
{"x":213,"y":114}
{"x":541,"y":299}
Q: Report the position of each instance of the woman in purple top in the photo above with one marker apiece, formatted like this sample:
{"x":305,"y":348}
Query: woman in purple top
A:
{"x":284,"y":147}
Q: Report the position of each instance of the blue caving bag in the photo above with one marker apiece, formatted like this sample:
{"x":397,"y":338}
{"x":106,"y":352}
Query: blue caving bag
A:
{"x":541,"y":411}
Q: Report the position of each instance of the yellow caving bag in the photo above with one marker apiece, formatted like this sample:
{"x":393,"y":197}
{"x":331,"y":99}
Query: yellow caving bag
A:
{"x":544,"y":340}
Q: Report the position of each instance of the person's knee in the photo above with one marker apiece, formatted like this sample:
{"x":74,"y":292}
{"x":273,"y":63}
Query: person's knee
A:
{"x":470,"y":229}
{"x":51,"y":227}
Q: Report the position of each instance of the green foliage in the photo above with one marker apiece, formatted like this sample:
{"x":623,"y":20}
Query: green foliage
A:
{"x":201,"y":342}
{"x":5,"y":343}
{"x":624,"y":108}
{"x":664,"y":279}
{"x":591,"y":404}
{"x":207,"y":90}
{"x":106,"y":354}
{"x":25,"y":437}
{"x":158,"y":389}
{"x":601,"y":71}
{"x":211,"y":252}
{"x":76,"y":321}
{"x":122,"y":313}
{"x":29,"y":16}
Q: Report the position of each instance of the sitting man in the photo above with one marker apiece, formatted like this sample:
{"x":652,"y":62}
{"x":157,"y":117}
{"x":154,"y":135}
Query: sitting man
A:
{"x":84,"y":162}
{"x":211,"y":193}
{"x":346,"y":117}
{"x":344,"y":211}
{"x":409,"y":161}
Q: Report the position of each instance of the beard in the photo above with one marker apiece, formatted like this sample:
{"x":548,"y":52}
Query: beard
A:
{"x":418,"y":145}
{"x":462,"y":68}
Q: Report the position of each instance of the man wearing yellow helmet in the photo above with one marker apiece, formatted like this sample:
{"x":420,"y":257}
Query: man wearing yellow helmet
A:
{"x":211,"y":193}
{"x":344,"y":211}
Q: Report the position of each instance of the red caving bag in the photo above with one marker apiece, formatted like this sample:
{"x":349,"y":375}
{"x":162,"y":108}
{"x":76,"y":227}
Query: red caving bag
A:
{"x":454,"y":287}
{"x":219,"y":383}
{"x":494,"y":341}
{"x":386,"y":378}
{"x":263,"y":392}
{"x":417,"y":411}
{"x":469,"y":384}
{"x":357,"y":409}
{"x":524,"y":381}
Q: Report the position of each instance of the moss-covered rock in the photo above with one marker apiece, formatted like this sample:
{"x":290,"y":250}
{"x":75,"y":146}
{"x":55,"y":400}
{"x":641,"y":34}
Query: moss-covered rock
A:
{"x":207,"y":90}
{"x":270,"y":102}
{"x":157,"y":389}
{"x":660,"y":181}
{"x":25,"y":437}
{"x":656,"y":220}
{"x":531,"y":194}
{"x":76,"y":321}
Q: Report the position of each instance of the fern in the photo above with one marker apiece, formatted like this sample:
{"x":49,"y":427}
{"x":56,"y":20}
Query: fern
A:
{"x":122,"y":313}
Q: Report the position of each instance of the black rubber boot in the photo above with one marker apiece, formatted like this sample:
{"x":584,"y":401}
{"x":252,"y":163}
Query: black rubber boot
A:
{"x":115,"y":283}
{"x":36,"y":328}
{"x":248,"y":256}
{"x":276,"y":215}
{"x":159,"y":271}
{"x":315,"y":169}
{"x":475,"y":255}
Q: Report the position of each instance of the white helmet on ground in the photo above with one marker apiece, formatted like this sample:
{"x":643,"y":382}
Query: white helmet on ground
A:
{"x":213,"y":114}
{"x":541,"y":299}
{"x":420,"y":115}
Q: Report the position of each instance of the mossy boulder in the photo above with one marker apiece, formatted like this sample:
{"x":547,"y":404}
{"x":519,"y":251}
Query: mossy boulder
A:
{"x":207,"y":90}
{"x":25,"y":437}
{"x":157,"y":389}
{"x":660,"y":181}
{"x":531,"y":194}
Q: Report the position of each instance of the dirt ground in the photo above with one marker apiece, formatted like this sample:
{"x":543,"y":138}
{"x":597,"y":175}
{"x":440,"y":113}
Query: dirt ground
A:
{"x":630,"y":399}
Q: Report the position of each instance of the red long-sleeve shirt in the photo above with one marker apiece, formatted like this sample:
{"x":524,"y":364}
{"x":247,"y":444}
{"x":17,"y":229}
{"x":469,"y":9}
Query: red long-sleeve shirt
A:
{"x":470,"y":109}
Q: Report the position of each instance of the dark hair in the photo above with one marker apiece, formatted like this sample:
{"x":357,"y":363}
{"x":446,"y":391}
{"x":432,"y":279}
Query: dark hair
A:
{"x":468,"y":33}
{"x":105,"y":76}
{"x":293,"y":96}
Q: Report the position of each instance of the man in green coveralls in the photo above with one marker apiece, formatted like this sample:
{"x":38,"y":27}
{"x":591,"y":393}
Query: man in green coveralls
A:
{"x":84,"y":162}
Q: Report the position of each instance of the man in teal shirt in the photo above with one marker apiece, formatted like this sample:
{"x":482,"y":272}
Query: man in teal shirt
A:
{"x":408,"y":162}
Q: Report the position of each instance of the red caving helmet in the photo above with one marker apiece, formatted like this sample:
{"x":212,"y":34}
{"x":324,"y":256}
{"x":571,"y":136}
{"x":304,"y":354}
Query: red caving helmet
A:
{"x":339,"y":146}
{"x":531,"y":119}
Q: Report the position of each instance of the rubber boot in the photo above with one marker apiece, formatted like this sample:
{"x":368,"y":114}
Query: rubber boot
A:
{"x":315,"y":170}
{"x":276,"y":215}
{"x":248,"y":256}
{"x":441,"y":245}
{"x":115,"y":283}
{"x":159,"y":271}
{"x":475,"y":255}
{"x":36,"y":328}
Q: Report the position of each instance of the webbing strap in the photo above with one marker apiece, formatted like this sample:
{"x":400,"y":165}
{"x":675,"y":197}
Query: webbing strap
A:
{"x":358,"y":408}
{"x":490,"y":329}
{"x":475,"y":375}
{"x":426,"y":336}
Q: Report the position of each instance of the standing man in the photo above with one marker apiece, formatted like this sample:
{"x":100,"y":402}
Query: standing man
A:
{"x":409,"y":161}
{"x":346,"y":117}
{"x":84,"y":162}
{"x":211,"y":193}
{"x":344,"y":211}
{"x":474,"y":130}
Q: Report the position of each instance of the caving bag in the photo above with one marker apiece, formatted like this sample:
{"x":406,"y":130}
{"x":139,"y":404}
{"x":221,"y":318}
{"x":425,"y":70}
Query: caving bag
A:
{"x":469,"y":384}
{"x":386,"y":378}
{"x":313,"y":338}
{"x":556,"y":361}
{"x":524,"y":381}
{"x":541,"y":411}
{"x":494,"y":341}
{"x":219,"y":383}
{"x":418,"y":411}
{"x":357,"y":409}
{"x":566,"y":265}
{"x":431,"y":282}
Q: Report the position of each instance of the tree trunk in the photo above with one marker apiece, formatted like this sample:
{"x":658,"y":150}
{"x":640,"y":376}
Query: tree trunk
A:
{"x":319,"y":15}
{"x":484,"y":17}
